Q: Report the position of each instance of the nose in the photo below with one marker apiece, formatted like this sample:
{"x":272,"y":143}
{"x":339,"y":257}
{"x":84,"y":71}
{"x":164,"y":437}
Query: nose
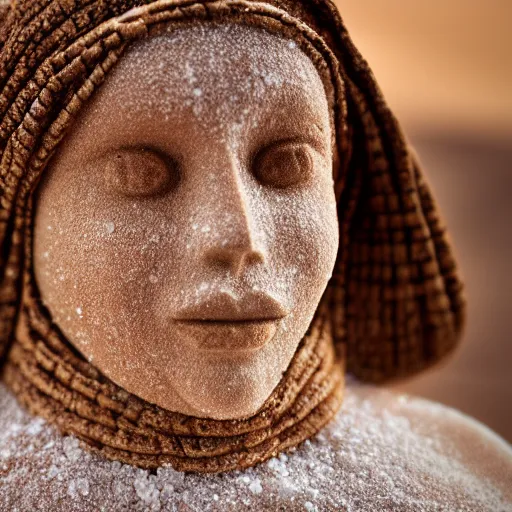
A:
{"x":235,"y":242}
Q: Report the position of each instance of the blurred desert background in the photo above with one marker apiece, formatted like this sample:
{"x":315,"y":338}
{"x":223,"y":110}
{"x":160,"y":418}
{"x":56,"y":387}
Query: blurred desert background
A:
{"x":446,"y":71}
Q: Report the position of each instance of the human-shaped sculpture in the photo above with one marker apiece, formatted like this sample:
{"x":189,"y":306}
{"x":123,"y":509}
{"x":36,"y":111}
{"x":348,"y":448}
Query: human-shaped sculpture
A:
{"x":208,"y":213}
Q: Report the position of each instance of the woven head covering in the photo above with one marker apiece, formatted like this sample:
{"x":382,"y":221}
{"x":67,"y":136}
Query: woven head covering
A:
{"x":392,"y":307}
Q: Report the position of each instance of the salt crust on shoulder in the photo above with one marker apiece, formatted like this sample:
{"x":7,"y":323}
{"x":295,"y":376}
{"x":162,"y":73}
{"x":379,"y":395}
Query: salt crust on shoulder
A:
{"x":382,"y":452}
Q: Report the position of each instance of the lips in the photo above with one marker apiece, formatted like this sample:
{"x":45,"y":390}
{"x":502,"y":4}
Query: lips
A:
{"x":228,"y":337}
{"x":225,"y":323}
{"x":225,"y":306}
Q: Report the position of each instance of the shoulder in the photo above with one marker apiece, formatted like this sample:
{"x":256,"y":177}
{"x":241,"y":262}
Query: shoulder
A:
{"x":381,"y":452}
{"x":403,"y":450}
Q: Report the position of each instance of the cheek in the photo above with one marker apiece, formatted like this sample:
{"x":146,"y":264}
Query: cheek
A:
{"x":99,"y":270}
{"x":307,"y":239}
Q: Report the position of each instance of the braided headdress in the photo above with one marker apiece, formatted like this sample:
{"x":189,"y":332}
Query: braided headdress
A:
{"x":392,"y":307}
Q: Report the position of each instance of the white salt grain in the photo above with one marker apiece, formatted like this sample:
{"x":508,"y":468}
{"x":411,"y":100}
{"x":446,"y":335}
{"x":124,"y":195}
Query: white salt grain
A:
{"x":82,"y":486}
{"x":110,"y":227}
{"x":255,"y":487}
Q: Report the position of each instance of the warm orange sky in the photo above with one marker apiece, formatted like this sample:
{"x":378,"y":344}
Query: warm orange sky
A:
{"x":441,"y":62}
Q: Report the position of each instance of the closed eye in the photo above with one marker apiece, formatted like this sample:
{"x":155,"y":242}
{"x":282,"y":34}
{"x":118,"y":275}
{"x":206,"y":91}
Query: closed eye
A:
{"x":284,"y":164}
{"x":139,"y":172}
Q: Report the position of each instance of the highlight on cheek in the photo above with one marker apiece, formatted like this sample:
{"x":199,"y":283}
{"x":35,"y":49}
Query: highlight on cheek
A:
{"x":137,"y":172}
{"x":284,"y":165}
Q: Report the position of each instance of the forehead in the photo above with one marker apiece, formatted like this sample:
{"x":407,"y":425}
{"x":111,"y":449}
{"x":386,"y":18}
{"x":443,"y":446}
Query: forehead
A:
{"x":216,"y":69}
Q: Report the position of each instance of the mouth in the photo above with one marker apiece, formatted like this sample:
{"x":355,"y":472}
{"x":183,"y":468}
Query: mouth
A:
{"x":228,"y":336}
{"x":225,"y":306}
{"x":242,"y":321}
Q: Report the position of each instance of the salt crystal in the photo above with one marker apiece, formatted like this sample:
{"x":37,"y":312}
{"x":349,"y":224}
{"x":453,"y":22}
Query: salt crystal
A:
{"x":71,"y":448}
{"x":120,"y":488}
{"x":286,"y":489}
{"x":166,"y":492}
{"x":278,"y":466}
{"x":153,"y":279}
{"x":35,"y":426}
{"x":53,"y":471}
{"x":145,"y":488}
{"x":72,"y":489}
{"x":110,"y":227}
{"x":255,"y":487}
{"x":82,"y":486}
{"x":268,"y":79}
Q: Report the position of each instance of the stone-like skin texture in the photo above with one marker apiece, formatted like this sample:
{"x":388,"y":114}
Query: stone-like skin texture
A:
{"x":186,"y":228}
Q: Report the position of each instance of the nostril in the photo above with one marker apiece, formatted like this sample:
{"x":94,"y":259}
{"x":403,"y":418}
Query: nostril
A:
{"x":220,"y":255}
{"x":234,"y":258}
{"x":254,"y":257}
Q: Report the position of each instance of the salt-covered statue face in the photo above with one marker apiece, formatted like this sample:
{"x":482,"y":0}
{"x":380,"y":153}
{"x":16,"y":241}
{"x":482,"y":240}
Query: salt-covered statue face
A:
{"x":186,"y":228}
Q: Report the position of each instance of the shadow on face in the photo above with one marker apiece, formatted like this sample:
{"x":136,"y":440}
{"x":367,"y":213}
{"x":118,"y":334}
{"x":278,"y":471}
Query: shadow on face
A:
{"x":186,"y":228}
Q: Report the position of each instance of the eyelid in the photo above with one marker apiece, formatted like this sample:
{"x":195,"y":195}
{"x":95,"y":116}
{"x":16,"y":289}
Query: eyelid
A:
{"x":121,"y":180}
{"x":133,"y":148}
{"x":284,"y":164}
{"x":314,"y":142}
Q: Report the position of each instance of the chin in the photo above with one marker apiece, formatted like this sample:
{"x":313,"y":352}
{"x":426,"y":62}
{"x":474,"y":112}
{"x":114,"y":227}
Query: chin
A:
{"x":229,"y":411}
{"x":222,"y":401}
{"x":226,"y":385}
